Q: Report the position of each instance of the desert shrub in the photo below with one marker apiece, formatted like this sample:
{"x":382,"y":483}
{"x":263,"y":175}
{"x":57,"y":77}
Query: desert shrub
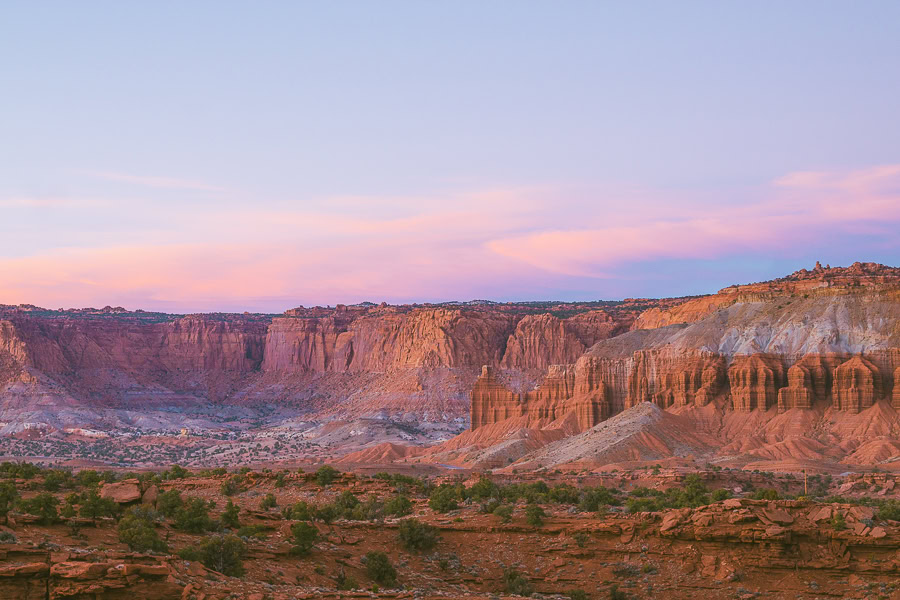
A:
{"x":516,"y":583}
{"x":279,"y":480}
{"x":443,"y":499}
{"x":720,"y":494}
{"x":8,"y":496}
{"x":326,"y":475}
{"x":380,"y":569}
{"x":231,"y":515}
{"x":193,"y":516}
{"x":169,"y":502}
{"x":564,"y":493}
{"x":346,"y":501}
{"x":504,"y":513}
{"x":370,"y":510}
{"x":483,"y":489}
{"x":67,"y":511}
{"x":889,"y":510}
{"x":417,"y":536}
{"x":93,"y":506}
{"x":616,"y":594}
{"x":175,"y":472}
{"x":345,"y":582}
{"x":233,"y":485}
{"x":398,"y":506}
{"x":268,"y":502}
{"x":224,"y":554}
{"x":44,"y":506}
{"x":838,"y":522}
{"x":577,"y":595}
{"x":534,"y":515}
{"x":54,"y":480}
{"x":535,"y":492}
{"x":19,"y":470}
{"x":595,"y":499}
{"x":301,"y":511}
{"x":137,"y":530}
{"x":765,"y":494}
{"x":327,"y":513}
{"x":304,"y":538}
{"x":581,"y":538}
{"x":88,"y":478}
{"x":8,"y":537}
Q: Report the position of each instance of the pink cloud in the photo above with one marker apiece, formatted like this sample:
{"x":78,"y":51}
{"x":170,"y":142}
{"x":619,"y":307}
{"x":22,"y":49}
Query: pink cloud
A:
{"x":495,"y":242}
{"x":801,"y":208}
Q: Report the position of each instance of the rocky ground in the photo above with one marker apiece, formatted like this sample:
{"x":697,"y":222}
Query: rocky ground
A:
{"x":648,"y":533}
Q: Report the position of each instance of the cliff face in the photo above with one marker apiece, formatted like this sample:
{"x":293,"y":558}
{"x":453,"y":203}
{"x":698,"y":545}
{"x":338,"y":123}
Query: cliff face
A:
{"x":753,"y":348}
{"x":543,"y":340}
{"x":339,"y":362}
{"x":110,"y":361}
{"x":387,"y":341}
{"x":561,"y":393}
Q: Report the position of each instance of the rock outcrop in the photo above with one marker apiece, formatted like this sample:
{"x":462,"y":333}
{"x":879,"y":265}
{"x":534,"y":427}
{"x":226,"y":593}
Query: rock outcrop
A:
{"x":755,"y":381}
{"x":857,"y":385}
{"x":559,"y":395}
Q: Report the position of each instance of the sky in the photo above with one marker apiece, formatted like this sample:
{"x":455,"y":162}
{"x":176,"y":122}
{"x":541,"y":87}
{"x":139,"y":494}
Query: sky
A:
{"x":230,"y":156}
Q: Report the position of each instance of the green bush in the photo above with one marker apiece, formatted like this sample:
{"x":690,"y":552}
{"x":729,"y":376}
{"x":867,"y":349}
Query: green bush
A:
{"x":268,"y":502}
{"x":534,"y":515}
{"x":88,"y":478}
{"x":504,"y":512}
{"x":44,"y":506}
{"x":93,"y":506}
{"x":765,"y":494}
{"x":168,"y":503}
{"x":398,"y":506}
{"x":193,"y":517}
{"x":301,"y":511}
{"x":54,"y":480}
{"x":380,"y":569}
{"x":720,"y":494}
{"x":326,"y":475}
{"x":417,"y":536}
{"x":484,"y":489}
{"x":345,"y":582}
{"x":577,"y":595}
{"x":8,"y":496}
{"x":516,"y":583}
{"x":233,"y":485}
{"x":327,"y":513}
{"x":889,"y":510}
{"x":231,"y":515}
{"x":304,"y":538}
{"x":838,"y":522}
{"x":443,"y":499}
{"x":137,"y":530}
{"x":224,"y":554}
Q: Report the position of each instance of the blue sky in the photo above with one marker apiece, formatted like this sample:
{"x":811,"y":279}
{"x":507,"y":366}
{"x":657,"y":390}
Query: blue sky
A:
{"x":231,"y":156}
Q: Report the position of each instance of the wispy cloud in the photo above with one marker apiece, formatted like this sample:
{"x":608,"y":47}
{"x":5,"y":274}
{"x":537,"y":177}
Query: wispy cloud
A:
{"x":170,"y":183}
{"x":52,"y":202}
{"x":483,"y":243}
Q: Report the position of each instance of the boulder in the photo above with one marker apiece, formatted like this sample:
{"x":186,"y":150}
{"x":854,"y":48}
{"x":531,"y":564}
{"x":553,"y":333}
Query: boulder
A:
{"x":122,"y":492}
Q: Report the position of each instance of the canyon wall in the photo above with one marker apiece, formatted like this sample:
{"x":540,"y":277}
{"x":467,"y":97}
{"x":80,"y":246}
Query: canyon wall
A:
{"x":370,"y":360}
{"x":816,"y":339}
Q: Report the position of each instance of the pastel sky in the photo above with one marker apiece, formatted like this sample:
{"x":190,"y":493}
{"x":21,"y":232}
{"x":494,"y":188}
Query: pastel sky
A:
{"x":202,"y":156}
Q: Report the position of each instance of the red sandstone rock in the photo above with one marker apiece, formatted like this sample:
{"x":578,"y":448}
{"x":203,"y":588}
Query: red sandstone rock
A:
{"x":857,"y":385}
{"x":755,"y":381}
{"x":122,"y":492}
